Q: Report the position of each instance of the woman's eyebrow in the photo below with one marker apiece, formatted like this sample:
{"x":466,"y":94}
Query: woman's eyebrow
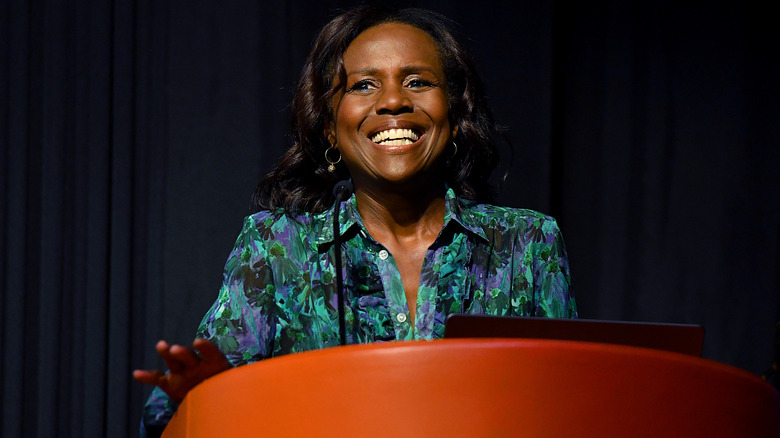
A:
{"x":418,"y":69}
{"x":363,"y":71}
{"x":370,"y":71}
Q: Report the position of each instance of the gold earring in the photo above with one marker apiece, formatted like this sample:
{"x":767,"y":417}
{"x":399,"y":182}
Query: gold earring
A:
{"x":332,"y":164}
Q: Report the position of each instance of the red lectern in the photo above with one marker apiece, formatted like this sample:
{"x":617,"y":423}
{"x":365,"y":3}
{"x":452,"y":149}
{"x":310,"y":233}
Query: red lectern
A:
{"x":481,"y":388}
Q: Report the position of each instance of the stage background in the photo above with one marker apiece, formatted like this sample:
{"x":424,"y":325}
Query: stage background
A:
{"x":132,"y":134}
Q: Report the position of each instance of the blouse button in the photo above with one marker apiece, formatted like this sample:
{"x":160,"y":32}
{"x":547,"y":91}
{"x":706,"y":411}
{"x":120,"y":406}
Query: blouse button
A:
{"x":401,"y":317}
{"x":384,"y":254}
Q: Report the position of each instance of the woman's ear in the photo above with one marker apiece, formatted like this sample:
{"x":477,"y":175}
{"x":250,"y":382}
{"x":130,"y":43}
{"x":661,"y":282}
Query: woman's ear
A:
{"x":454,"y":132}
{"x":330,"y":134}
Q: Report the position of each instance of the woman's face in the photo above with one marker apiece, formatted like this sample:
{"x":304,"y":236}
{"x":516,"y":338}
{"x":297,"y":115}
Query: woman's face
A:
{"x":391,"y":122}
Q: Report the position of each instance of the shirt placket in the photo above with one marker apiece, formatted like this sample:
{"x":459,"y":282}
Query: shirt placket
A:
{"x":394,"y":293}
{"x":441,"y":270}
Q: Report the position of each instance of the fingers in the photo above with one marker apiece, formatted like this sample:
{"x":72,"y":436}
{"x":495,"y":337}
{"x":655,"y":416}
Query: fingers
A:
{"x":187,"y":367}
{"x":204,"y":359}
{"x":152,"y":377}
{"x":185,"y":355}
{"x":210,"y":354}
{"x":159,"y":379}
{"x":176,"y":357}
{"x":163,"y":349}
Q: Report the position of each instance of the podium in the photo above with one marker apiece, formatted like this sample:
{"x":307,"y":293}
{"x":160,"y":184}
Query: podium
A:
{"x":481,"y":388}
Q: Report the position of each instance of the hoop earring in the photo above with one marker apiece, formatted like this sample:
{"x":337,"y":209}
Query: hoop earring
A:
{"x":332,"y":164}
{"x":455,"y":152}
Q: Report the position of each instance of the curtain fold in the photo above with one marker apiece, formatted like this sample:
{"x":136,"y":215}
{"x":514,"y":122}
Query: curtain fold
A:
{"x":669,"y":181}
{"x":83,"y":173}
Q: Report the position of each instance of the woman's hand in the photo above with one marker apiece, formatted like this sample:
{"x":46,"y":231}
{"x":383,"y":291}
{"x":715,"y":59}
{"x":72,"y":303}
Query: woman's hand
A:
{"x":186,"y":367}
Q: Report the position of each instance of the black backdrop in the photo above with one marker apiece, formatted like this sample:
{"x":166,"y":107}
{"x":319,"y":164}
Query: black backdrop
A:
{"x":132,"y":134}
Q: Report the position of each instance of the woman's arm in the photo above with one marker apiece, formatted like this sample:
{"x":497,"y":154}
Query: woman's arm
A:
{"x":226,"y":337}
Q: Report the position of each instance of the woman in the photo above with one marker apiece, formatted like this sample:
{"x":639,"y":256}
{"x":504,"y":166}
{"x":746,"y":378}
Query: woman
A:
{"x":390,"y":100}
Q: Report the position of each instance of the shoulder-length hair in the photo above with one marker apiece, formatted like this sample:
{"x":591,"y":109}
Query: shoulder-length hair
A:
{"x":301,"y":181}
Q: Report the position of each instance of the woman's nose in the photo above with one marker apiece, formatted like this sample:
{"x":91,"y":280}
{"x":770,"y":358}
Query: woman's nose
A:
{"x":393,"y":100}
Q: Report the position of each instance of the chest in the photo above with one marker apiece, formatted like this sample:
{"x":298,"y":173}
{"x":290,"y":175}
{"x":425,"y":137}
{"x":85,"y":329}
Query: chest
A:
{"x":459,"y":276}
{"x":410,"y":292}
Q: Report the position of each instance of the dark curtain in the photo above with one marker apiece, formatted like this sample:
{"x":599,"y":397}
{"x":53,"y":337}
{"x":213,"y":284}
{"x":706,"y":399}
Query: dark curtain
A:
{"x":665,"y":128}
{"x":132,"y":134}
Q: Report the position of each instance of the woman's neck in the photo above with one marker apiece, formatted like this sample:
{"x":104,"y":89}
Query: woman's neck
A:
{"x":401,"y":214}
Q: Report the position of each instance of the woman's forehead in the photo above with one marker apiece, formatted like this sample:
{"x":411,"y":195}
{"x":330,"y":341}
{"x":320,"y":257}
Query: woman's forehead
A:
{"x":391,"y":45}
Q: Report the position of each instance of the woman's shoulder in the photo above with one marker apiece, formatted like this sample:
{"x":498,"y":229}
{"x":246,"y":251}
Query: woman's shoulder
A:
{"x":281,"y":218}
{"x":532,"y":228}
{"x":512,"y":217}
{"x":278,"y":225}
{"x":276,"y":234}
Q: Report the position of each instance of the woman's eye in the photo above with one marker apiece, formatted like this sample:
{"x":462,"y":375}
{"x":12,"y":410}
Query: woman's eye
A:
{"x":418,"y":83}
{"x":361,"y":86}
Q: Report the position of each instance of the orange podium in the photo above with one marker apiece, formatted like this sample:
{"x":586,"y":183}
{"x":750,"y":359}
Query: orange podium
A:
{"x":481,"y":388}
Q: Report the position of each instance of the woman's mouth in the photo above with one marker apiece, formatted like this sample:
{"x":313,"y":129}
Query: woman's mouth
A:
{"x":395,"y":137}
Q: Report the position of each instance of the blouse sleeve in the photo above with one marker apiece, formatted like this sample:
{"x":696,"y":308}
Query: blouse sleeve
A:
{"x":240,"y":322}
{"x":553,"y":297}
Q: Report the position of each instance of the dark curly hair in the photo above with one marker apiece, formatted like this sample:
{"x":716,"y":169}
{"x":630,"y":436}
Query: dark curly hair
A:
{"x":301,"y":181}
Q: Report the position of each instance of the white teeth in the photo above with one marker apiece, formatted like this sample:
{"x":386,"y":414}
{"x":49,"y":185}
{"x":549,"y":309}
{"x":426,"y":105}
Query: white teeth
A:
{"x":395,"y":137}
{"x":398,"y":142}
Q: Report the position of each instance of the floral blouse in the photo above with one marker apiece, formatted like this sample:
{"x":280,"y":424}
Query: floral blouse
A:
{"x":279,"y":289}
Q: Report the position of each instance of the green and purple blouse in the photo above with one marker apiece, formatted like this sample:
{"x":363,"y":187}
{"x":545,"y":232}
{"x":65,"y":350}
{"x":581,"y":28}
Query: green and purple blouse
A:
{"x":279,"y":290}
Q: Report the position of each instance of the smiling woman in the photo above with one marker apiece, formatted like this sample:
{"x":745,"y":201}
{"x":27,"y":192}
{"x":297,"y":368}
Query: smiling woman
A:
{"x":395,"y":93}
{"x":395,"y":84}
{"x":301,"y":181}
{"x":389,"y":100}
